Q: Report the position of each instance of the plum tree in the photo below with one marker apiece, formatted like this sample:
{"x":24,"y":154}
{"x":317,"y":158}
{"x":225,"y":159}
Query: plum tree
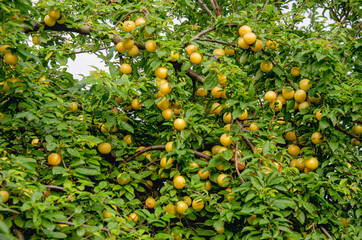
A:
{"x":212,"y":120}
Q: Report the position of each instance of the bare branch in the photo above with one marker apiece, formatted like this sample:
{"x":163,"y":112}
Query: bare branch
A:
{"x":162,"y":147}
{"x":67,"y":92}
{"x":203,"y":33}
{"x":261,"y":10}
{"x":124,"y":17}
{"x":195,"y":75}
{"x":217,"y":8}
{"x":346,"y":132}
{"x":207,"y":9}
{"x":326,"y":233}
{"x":84,"y":225}
{"x":250,"y":144}
{"x":237,"y":162}
{"x":216,"y":41}
{"x":54,"y":187}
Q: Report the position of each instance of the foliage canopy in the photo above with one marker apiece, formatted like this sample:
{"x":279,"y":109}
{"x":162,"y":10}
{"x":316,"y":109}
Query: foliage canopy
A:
{"x":127,"y":154}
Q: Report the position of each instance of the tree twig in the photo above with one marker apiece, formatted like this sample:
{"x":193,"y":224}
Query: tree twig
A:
{"x":207,"y":9}
{"x":237,"y":162}
{"x":197,"y":36}
{"x":162,"y":147}
{"x":215,"y":41}
{"x":85,"y":225}
{"x":250,"y":144}
{"x":124,"y":17}
{"x":54,"y":187}
{"x":346,"y":132}
{"x":326,"y":233}
{"x":261,"y":10}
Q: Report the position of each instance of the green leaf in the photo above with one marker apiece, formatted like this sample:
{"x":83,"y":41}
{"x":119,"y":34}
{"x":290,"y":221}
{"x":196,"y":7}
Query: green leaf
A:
{"x":284,"y":203}
{"x":301,"y":217}
{"x":266,"y":147}
{"x":251,"y":91}
{"x":87,"y":171}
{"x":73,"y":152}
{"x":323,"y":123}
{"x":211,"y":81}
{"x":54,"y":234}
{"x":127,"y":127}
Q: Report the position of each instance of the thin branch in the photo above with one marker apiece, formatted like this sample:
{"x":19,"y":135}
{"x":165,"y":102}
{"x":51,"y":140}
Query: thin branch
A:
{"x":250,"y":144}
{"x":162,"y":147}
{"x":218,"y":10}
{"x":296,"y":14}
{"x":276,"y":65}
{"x":200,"y":154}
{"x":346,"y":132}
{"x":197,"y":36}
{"x":124,"y":17}
{"x":195,"y":75}
{"x":67,"y":92}
{"x":237,"y":162}
{"x":326,"y":233}
{"x":346,"y":16}
{"x":207,"y":9}
{"x":261,"y":10}
{"x":215,"y":41}
{"x":54,"y":187}
{"x":85,"y":225}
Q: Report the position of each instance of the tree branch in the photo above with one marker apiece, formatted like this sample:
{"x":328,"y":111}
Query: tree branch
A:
{"x":195,"y":76}
{"x":197,"y":36}
{"x":54,"y":187}
{"x":261,"y":10}
{"x":215,"y":41}
{"x":326,"y":233}
{"x":207,"y":9}
{"x":237,"y":162}
{"x":124,"y":17}
{"x":162,"y":147}
{"x":217,"y":8}
{"x":85,"y":225}
{"x":346,"y":132}
{"x":250,"y":144}
{"x":67,"y":93}
{"x":276,"y":65}
{"x":346,"y":16}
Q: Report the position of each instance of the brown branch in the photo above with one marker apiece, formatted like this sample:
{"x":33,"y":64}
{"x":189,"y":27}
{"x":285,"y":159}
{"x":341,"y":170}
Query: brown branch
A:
{"x":217,"y":8}
{"x":332,"y":10}
{"x":261,"y":10}
{"x":207,"y":9}
{"x":250,"y":144}
{"x":162,"y":147}
{"x":276,"y":65}
{"x":295,"y":15}
{"x":200,"y":154}
{"x":215,"y":41}
{"x":195,"y":75}
{"x":346,"y":16}
{"x":67,"y":92}
{"x":54,"y":187}
{"x":84,"y":29}
{"x":237,"y":162}
{"x":359,"y":29}
{"x":326,"y":233}
{"x":346,"y":132}
{"x":124,"y":17}
{"x":197,"y":36}
{"x":85,"y":225}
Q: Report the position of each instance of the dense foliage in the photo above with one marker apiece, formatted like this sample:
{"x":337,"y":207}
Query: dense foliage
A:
{"x":127,"y":154}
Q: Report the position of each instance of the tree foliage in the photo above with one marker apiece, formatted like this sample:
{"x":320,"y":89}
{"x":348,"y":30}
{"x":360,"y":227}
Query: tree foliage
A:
{"x":88,"y":158}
